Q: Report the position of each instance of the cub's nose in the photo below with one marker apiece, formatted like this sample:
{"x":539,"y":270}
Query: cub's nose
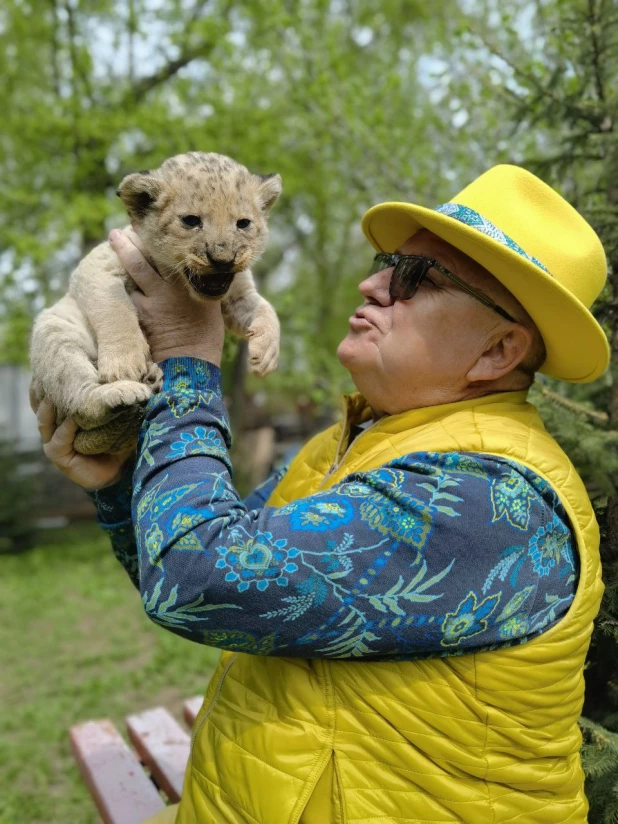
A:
{"x":219,"y":262}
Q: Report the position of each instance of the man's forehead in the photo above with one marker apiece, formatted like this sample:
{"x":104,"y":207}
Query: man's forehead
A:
{"x":425,"y":242}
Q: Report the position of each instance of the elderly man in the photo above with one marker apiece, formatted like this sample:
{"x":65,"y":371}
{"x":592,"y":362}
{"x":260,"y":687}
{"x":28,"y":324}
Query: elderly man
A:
{"x":405,"y":611}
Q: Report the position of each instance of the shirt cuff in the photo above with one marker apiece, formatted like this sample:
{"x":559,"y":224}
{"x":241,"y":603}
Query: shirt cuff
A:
{"x":191,"y":374}
{"x":113,"y":502}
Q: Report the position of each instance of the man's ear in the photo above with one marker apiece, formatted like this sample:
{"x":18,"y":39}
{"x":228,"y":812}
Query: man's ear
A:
{"x":138,"y":192}
{"x":269,"y":190}
{"x":503,"y":355}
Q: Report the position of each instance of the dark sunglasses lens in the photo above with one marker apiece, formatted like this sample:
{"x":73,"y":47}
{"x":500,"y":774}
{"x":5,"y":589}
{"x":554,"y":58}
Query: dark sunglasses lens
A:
{"x":407,"y":277}
{"x":380,"y":262}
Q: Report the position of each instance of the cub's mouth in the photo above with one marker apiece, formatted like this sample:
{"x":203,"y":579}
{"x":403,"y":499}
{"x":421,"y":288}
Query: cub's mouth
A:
{"x":213,"y":286}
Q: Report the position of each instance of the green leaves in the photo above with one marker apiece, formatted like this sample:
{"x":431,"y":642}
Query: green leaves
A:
{"x":516,"y":603}
{"x":354,"y":641}
{"x":329,"y":99}
{"x":164,"y":614}
{"x":413,"y":591}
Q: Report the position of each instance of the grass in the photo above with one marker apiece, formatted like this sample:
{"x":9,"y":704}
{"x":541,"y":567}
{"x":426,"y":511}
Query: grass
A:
{"x":76,"y":645}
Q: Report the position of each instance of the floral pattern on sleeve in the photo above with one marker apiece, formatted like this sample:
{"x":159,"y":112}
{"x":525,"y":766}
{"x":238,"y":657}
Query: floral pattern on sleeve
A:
{"x":432,"y":554}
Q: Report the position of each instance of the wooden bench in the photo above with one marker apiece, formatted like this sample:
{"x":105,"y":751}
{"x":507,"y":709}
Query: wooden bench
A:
{"x":124,"y":784}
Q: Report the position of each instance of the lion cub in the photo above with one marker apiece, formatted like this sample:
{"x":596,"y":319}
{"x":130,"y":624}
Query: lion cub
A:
{"x":200,"y":217}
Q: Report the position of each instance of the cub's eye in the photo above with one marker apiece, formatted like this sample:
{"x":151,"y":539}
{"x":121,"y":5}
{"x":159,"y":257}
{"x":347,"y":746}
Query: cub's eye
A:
{"x":190,"y":221}
{"x":244,"y":223}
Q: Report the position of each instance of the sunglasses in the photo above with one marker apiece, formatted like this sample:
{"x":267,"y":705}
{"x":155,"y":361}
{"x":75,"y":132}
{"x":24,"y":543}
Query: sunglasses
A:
{"x":409,"y":271}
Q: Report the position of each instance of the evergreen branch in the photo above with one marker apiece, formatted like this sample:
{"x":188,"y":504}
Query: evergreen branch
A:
{"x":600,"y":751}
{"x":573,"y":406}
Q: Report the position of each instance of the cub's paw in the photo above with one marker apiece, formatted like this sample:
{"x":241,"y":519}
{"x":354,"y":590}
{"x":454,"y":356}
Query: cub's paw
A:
{"x":263,"y":346}
{"x":154,"y":378}
{"x":111,"y":397}
{"x":120,"y":366}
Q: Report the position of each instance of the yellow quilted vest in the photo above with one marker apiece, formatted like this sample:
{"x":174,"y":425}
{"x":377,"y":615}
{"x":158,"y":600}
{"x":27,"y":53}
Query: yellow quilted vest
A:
{"x":481,"y":738}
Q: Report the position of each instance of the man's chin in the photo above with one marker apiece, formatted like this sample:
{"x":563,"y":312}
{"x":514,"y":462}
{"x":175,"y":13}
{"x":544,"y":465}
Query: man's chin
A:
{"x":343,"y":352}
{"x":351,"y":356}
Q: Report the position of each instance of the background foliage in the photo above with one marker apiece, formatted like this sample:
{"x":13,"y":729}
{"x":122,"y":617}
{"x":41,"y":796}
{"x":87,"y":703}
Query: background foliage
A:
{"x":353,"y":102}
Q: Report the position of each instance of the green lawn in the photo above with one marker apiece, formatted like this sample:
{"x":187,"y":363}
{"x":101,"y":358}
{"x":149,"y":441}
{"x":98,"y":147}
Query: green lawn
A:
{"x":76,"y":645}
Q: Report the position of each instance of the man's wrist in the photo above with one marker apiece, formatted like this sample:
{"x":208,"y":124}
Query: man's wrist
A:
{"x":113,"y":501}
{"x":187,"y":341}
{"x":186,"y":373}
{"x":213,"y":355}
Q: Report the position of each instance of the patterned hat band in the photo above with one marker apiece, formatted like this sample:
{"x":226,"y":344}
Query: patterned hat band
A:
{"x":471,"y":218}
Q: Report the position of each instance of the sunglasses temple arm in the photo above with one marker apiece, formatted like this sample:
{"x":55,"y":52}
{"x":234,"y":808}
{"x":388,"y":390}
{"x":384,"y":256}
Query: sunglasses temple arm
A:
{"x":489,"y":303}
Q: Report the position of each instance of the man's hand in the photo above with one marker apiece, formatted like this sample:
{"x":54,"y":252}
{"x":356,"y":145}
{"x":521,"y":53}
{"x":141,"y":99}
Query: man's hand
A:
{"x":174,"y":323}
{"x":89,"y":471}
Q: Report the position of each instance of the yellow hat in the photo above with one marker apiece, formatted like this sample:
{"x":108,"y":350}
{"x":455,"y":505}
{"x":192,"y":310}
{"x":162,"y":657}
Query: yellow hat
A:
{"x":532,"y":241}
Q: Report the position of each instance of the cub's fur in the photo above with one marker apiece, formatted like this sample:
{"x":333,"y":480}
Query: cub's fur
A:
{"x":200,"y":217}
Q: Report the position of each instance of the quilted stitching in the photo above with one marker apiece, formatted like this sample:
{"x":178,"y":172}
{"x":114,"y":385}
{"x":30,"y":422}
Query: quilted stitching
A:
{"x":515,"y":709}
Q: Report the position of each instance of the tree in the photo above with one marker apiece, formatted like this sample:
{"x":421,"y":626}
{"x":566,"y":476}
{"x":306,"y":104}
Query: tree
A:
{"x":546,"y":77}
{"x":353,"y":102}
{"x":326,"y":93}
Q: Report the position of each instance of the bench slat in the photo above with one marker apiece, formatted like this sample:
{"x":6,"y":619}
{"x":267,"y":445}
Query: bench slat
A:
{"x":163,"y":746}
{"x":121,"y":789}
{"x":191,"y":707}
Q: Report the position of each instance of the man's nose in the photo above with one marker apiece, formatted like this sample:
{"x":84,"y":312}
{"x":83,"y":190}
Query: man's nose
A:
{"x":376,"y":287}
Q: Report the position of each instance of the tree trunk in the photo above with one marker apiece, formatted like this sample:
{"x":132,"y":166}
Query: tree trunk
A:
{"x":238,"y":394}
{"x":613,"y":402}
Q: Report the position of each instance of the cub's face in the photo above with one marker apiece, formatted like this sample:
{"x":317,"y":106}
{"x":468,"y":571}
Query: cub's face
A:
{"x":201,"y":217}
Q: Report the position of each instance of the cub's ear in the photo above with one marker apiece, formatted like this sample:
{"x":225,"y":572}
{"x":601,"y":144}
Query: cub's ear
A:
{"x":138,"y":192}
{"x":269,"y":190}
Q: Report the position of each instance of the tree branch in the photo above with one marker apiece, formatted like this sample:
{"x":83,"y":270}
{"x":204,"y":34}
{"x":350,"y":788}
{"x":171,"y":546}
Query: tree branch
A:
{"x":55,"y":48}
{"x":593,"y":24}
{"x":75,"y":62}
{"x":187,"y":54}
{"x":554,"y":397}
{"x":531,"y":80}
{"x":131,"y":29}
{"x":167,"y":71}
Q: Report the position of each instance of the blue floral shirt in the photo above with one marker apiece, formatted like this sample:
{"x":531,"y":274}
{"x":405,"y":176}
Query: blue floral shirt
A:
{"x":432,"y":554}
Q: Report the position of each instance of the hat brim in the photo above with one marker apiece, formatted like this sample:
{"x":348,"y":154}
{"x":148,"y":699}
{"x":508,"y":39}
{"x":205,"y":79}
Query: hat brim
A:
{"x":577,"y":347}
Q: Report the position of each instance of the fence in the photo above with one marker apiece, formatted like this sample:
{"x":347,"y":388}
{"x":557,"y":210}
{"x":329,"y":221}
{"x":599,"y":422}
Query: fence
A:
{"x":56,"y":501}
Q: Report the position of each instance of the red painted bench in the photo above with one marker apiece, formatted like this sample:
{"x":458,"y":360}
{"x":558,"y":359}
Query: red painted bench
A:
{"x":124,"y":784}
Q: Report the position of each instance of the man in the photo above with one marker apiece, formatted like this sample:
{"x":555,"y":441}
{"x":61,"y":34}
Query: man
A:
{"x":405,"y":612}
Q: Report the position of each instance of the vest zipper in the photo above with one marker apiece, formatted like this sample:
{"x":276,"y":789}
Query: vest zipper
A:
{"x":212,"y":704}
{"x":335,"y":466}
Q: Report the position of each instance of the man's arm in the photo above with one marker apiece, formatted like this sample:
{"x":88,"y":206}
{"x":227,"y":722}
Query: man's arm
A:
{"x":418,"y":558}
{"x":113,"y":505}
{"x":110,"y":474}
{"x":261,"y":493}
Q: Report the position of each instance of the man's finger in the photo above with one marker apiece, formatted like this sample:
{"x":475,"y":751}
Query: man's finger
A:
{"x":134,"y":262}
{"x":60,"y":447}
{"x":137,"y":298}
{"x":35,"y":401}
{"x":46,"y":417}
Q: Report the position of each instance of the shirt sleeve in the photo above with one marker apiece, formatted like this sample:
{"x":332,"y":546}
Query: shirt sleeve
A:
{"x":430,"y":555}
{"x":113,"y":505}
{"x":261,"y":493}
